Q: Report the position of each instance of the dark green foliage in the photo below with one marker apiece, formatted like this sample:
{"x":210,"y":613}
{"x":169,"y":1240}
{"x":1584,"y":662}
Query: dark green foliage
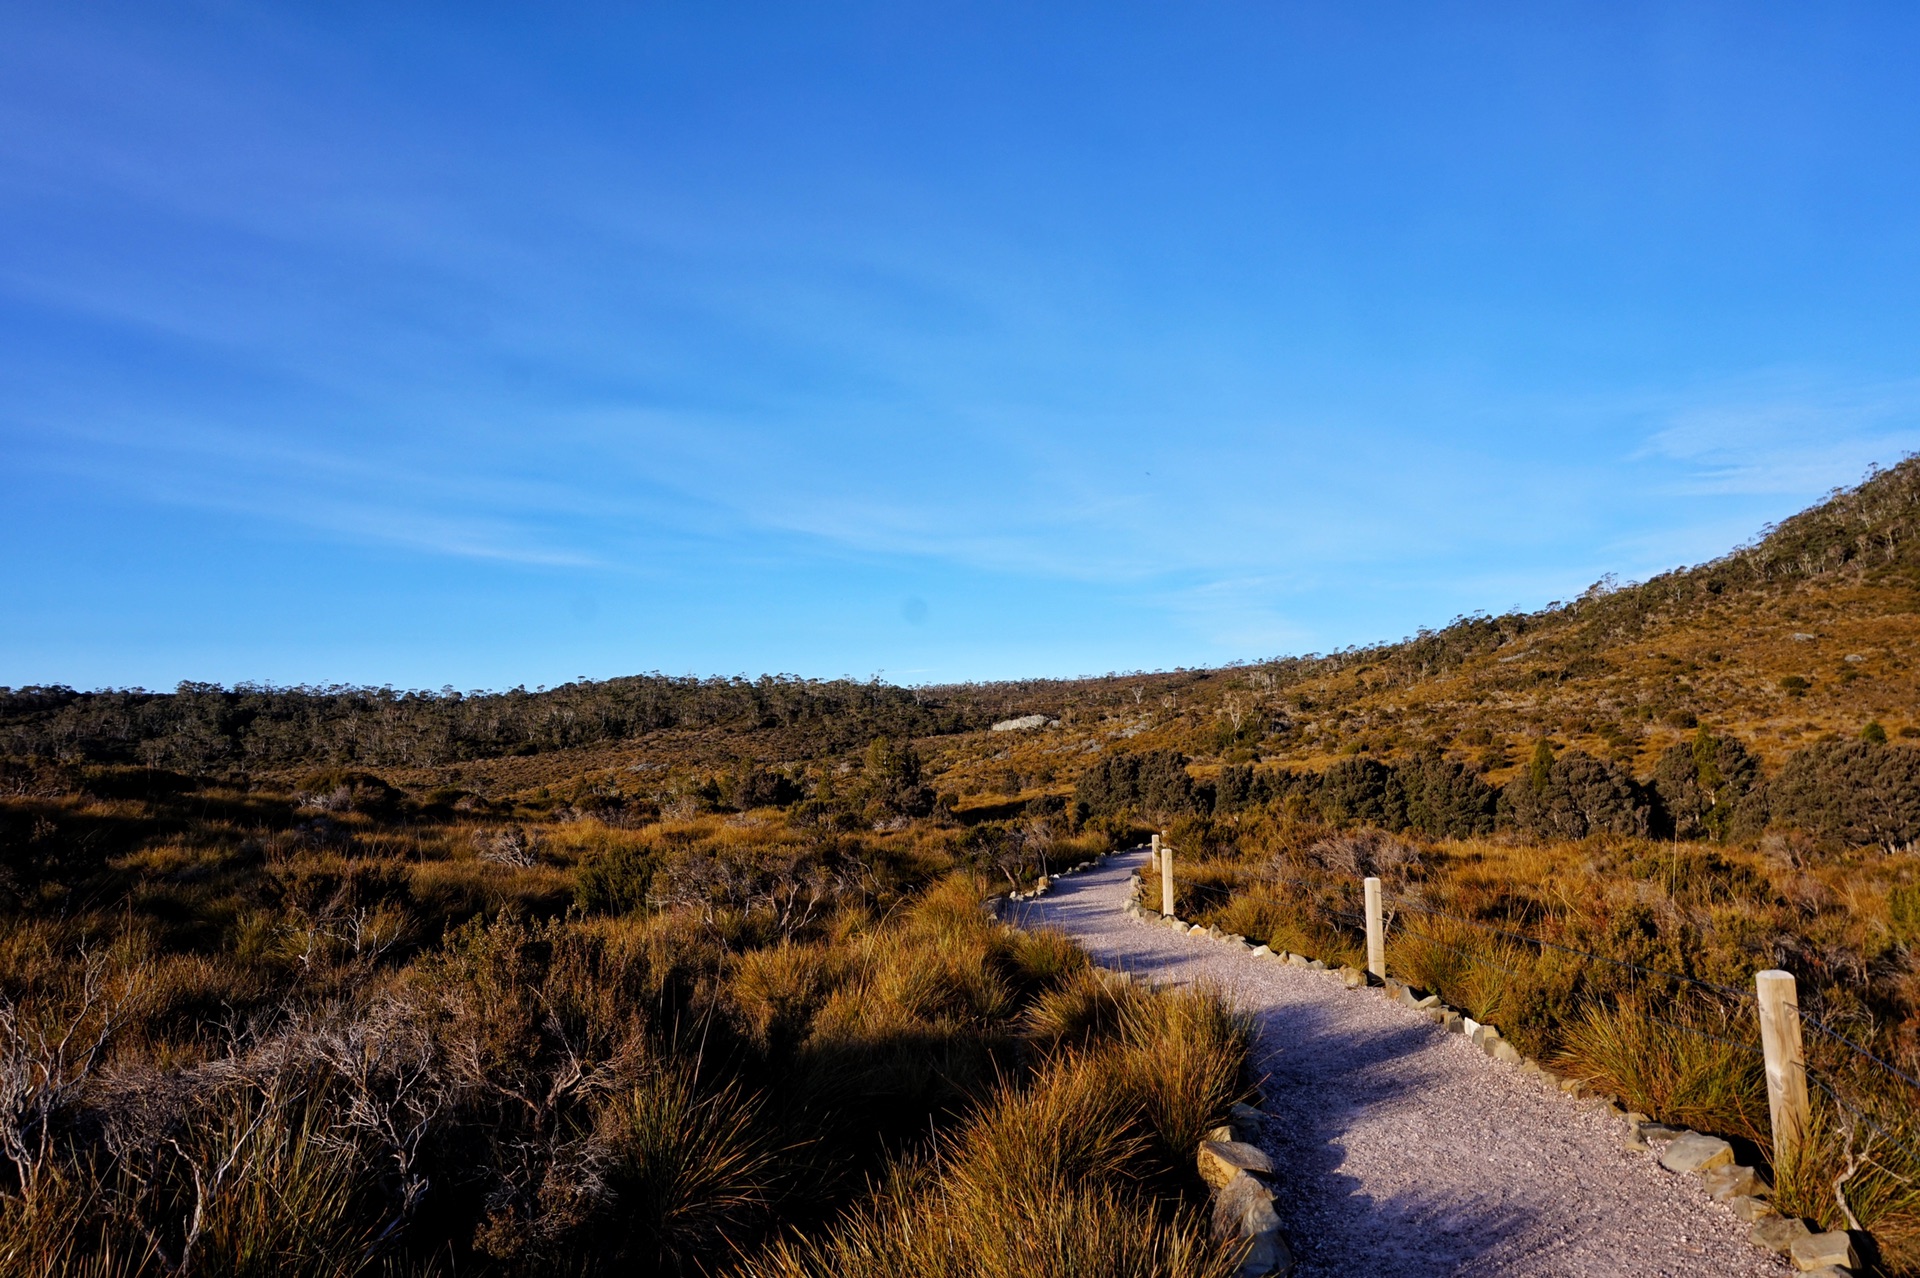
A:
{"x":892,"y":782}
{"x":1363,"y":791}
{"x":1540,"y":766}
{"x":754,"y":787}
{"x":1152,"y":783}
{"x":1854,"y":791}
{"x":1873,"y":733}
{"x":1701,"y":782}
{"x":1240,"y":786}
{"x":1445,"y":799}
{"x":1581,"y":795}
{"x":1429,"y":793}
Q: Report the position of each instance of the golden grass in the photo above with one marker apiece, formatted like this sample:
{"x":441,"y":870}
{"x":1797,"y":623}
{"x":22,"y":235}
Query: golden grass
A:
{"x":1042,"y":1182}
{"x":1707,"y":1080}
{"x":1680,"y":1051}
{"x":689,"y":1167}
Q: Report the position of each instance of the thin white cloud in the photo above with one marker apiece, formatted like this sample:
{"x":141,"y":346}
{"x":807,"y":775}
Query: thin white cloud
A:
{"x":1785,"y":434}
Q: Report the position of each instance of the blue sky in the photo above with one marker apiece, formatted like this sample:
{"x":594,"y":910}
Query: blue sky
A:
{"x":495,"y":344}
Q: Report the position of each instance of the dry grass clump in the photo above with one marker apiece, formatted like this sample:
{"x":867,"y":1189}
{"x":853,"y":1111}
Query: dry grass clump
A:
{"x":1087,"y":1005}
{"x":776,"y":991}
{"x":690,"y":1167}
{"x":1181,"y":1062}
{"x":1658,"y":1065}
{"x":935,"y":1231}
{"x":1050,"y":1177}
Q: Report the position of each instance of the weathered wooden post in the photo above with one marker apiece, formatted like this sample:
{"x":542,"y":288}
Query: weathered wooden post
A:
{"x":1153,"y":858}
{"x":1376,"y":933}
{"x":1166,"y":882}
{"x":1786,"y":1064}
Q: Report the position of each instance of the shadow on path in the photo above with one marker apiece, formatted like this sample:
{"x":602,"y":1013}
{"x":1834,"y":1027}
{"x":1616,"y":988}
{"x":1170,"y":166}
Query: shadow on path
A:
{"x":1403,"y":1153}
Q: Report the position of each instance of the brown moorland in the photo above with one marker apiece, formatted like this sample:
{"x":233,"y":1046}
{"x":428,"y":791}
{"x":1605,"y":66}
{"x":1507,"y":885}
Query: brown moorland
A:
{"x":472,"y":977}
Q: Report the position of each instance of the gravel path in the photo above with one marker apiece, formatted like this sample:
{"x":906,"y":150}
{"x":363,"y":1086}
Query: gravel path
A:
{"x":1405,"y":1150}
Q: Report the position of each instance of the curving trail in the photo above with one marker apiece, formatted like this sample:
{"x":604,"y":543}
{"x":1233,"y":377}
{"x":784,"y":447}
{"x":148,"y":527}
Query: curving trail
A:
{"x":1406,"y":1152}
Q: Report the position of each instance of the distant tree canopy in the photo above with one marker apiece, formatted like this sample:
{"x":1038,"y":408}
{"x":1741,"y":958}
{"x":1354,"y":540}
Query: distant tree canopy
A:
{"x":198,"y":727}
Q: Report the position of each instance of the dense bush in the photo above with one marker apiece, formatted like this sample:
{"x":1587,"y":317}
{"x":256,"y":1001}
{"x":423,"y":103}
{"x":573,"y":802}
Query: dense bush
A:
{"x":1153,"y":783}
{"x":1363,"y":791}
{"x":1700,"y":784}
{"x":1446,"y":799}
{"x":1429,"y":793}
{"x":1573,"y":796}
{"x":1855,"y":792}
{"x":891,"y":782}
{"x":750,"y":787}
{"x":1848,"y":792}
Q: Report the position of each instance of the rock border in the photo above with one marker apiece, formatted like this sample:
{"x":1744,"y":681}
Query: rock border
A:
{"x":1239,"y":1175}
{"x":1833,"y":1254}
{"x":996,"y":904}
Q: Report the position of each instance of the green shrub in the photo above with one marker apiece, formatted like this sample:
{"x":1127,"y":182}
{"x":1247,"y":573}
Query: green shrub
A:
{"x":616,"y":879}
{"x":1903,"y":913}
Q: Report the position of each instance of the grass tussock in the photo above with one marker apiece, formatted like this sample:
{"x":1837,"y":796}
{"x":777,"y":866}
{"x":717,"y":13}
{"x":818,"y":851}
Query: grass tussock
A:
{"x":1705,"y":1080}
{"x":1075,"y":1170}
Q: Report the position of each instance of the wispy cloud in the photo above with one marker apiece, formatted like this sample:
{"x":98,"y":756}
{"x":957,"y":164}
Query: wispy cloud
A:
{"x":1785,"y":434}
{"x":283,"y":480}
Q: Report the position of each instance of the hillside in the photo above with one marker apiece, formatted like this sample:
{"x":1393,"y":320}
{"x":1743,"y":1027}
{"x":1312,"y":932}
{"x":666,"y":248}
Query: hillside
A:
{"x":1807,"y":634}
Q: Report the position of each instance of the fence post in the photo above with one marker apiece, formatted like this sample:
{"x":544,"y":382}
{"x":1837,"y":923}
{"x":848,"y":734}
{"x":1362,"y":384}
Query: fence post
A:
{"x":1786,"y":1064}
{"x":1166,"y":882}
{"x":1153,"y":860}
{"x":1376,"y":934}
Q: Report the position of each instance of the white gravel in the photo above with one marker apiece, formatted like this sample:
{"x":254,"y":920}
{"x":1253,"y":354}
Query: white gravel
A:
{"x":1404,"y":1150}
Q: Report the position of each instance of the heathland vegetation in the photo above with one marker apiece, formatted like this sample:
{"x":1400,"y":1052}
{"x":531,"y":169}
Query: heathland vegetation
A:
{"x":693,"y":976}
{"x":329,"y":1031}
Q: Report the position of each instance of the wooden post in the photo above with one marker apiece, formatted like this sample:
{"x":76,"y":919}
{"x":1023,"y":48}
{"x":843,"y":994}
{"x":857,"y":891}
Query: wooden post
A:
{"x":1153,"y":858}
{"x":1166,"y":882}
{"x":1786,"y":1065}
{"x":1376,"y":934}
